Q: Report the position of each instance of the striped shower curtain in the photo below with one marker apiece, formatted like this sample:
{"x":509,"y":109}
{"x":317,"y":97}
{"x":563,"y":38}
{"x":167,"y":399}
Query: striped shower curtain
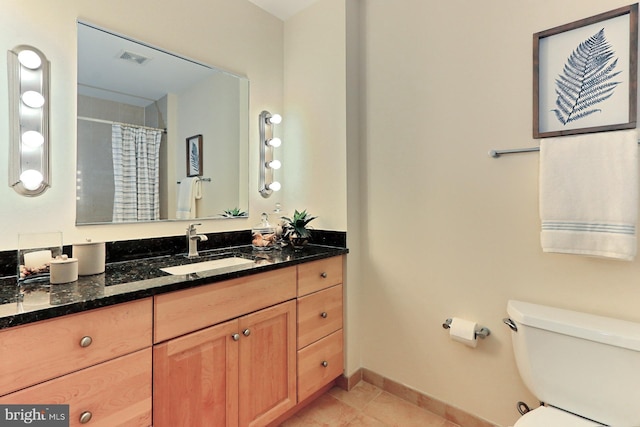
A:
{"x":136,"y":164}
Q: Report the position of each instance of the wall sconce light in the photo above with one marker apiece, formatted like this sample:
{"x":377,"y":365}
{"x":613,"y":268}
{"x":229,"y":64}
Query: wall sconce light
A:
{"x":28,"y":76}
{"x":268,"y":164}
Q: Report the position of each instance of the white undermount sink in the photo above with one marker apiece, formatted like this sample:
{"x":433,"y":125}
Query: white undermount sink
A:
{"x":206,"y":265}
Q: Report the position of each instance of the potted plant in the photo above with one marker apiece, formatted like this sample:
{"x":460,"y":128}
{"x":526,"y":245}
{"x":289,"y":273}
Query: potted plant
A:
{"x":234,"y":213}
{"x":296,"y":229}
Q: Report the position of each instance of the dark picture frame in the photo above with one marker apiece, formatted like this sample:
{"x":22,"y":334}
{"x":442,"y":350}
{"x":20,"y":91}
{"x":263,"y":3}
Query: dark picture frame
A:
{"x":194,"y":155}
{"x":585,"y":75}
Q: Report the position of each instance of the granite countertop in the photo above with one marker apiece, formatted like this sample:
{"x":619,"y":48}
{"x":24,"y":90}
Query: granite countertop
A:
{"x":22,"y":303}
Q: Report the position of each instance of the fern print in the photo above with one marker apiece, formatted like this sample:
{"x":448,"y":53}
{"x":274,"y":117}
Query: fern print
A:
{"x":195,"y":158}
{"x":586,"y":79}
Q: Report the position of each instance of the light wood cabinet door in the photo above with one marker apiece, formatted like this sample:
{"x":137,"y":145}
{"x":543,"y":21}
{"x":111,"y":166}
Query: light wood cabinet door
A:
{"x":267,"y":364}
{"x":40,"y":351}
{"x":241,"y":372}
{"x":319,"y":314}
{"x":195,"y":379}
{"x":317,"y":275}
{"x":116,"y":393}
{"x":319,"y":364}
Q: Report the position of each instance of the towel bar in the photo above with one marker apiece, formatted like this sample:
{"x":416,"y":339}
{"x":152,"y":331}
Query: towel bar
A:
{"x":202,"y":179}
{"x":497,"y":153}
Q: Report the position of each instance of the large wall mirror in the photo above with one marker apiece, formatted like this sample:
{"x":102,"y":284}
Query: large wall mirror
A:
{"x":160,"y":137}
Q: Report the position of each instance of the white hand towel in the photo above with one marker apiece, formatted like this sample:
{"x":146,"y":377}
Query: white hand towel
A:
{"x":190,"y":190}
{"x":589,"y":194}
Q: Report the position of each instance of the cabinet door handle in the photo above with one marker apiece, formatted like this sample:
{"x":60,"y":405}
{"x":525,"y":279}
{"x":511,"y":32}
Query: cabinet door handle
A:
{"x":246,"y":332}
{"x":325,"y":363}
{"x":85,"y":417}
{"x":324,"y":314}
{"x":85,"y":341}
{"x":323,"y":274}
{"x":235,"y":337}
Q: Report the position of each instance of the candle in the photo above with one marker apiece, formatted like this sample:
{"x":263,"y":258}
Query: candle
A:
{"x":37,"y":259}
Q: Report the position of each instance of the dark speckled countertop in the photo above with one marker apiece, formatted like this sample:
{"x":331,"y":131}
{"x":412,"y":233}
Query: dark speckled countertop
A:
{"x":135,"y":279}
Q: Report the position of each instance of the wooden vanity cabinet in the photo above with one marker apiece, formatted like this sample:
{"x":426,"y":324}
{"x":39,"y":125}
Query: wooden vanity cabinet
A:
{"x":319,"y":328}
{"x":98,"y":362}
{"x":242,"y":352}
{"x":241,"y":372}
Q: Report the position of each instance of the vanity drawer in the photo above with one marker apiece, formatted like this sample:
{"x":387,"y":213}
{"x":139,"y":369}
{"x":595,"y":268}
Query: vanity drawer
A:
{"x":40,"y":351}
{"x":181,"y":312}
{"x":318,"y":275}
{"x":319,"y":314}
{"x":312,"y":372}
{"x":116,"y":393}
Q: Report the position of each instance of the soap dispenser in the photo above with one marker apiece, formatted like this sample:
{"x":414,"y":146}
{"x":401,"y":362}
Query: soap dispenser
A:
{"x":263,"y":235}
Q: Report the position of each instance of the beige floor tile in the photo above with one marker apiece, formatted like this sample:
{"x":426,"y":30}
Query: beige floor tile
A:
{"x":364,"y":406}
{"x":327,"y":411}
{"x":363,"y":420}
{"x":396,"y":412}
{"x":359,"y":396}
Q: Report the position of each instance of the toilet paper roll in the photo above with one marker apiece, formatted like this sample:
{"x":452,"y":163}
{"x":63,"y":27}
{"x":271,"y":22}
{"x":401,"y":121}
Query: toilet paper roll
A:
{"x":463,"y":331}
{"x":91,"y":256}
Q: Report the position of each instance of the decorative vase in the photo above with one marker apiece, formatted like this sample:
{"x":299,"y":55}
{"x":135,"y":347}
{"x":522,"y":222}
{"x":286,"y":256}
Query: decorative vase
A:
{"x":298,"y":242}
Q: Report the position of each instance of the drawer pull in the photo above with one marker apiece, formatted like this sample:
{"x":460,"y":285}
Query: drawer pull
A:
{"x":85,"y":341}
{"x":324,"y":314}
{"x":323,"y":274}
{"x":325,"y":363}
{"x":246,"y":332}
{"x":235,"y":337}
{"x":85,"y":417}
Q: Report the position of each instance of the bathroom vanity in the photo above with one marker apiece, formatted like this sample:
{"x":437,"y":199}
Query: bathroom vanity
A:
{"x":238,"y":346}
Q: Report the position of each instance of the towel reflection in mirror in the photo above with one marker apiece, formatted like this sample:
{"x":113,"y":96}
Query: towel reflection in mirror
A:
{"x":190,"y":190}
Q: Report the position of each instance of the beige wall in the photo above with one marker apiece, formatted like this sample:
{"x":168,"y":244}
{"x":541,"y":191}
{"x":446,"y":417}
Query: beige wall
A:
{"x":234,"y":35}
{"x":436,"y":227}
{"x":314,"y":143}
{"x":449,"y":230}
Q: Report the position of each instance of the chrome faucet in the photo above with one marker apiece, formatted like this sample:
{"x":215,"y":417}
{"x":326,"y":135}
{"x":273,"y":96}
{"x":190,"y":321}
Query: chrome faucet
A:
{"x":192,"y":240}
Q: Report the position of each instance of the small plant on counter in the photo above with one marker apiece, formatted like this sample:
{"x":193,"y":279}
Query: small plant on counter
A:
{"x":296,"y":229}
{"x":233,"y":213}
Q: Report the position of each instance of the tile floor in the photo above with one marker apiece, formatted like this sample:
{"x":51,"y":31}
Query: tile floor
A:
{"x":364,"y":406}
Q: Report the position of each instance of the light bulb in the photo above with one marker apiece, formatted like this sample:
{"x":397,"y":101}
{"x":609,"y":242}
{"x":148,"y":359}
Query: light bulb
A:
{"x":32,"y":139}
{"x":274,"y":164}
{"x":29,"y":59}
{"x":275,"y":186}
{"x":275,"y":119}
{"x":274,"y":142}
{"x":33,"y":99}
{"x":31,"y":179}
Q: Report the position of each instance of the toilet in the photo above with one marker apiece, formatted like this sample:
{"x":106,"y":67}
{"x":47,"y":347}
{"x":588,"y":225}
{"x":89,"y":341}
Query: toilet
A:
{"x":585,"y":368}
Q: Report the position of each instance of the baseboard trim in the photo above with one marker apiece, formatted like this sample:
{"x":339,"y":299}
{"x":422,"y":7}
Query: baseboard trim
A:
{"x":450,"y":413}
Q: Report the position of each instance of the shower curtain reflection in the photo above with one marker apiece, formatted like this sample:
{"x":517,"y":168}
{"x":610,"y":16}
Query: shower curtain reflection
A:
{"x":136,"y":165}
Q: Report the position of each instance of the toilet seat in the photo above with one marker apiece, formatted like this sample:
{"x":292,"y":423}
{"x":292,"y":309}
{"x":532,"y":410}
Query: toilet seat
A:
{"x":547,"y":416}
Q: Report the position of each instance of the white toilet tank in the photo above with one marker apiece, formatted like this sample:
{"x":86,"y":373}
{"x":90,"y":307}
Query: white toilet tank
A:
{"x":585,"y":364}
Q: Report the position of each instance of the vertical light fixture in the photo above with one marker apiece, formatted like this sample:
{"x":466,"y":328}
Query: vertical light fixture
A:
{"x":28,"y":76}
{"x":268,"y":164}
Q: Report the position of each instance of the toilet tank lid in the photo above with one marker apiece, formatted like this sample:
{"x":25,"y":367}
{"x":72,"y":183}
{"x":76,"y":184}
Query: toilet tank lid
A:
{"x":607,"y":330}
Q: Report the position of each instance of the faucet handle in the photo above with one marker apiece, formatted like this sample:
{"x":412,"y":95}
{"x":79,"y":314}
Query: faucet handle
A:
{"x":192,"y":226}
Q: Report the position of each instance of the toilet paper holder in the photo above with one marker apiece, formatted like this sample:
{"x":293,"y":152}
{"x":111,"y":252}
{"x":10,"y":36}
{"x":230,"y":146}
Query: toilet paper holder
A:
{"x":483,"y":332}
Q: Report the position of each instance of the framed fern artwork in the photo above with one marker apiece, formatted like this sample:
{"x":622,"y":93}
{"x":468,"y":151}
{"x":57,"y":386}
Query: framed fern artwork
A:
{"x":194,"y":155}
{"x":585,"y":75}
